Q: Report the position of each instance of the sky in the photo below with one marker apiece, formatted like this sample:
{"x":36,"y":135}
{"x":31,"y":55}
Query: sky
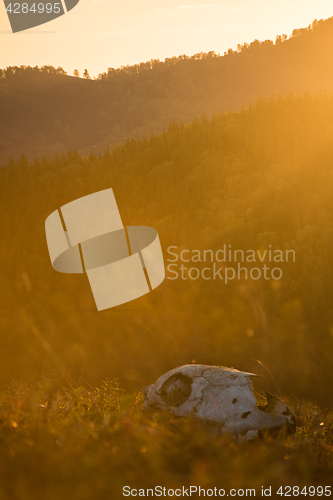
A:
{"x":98,"y":34}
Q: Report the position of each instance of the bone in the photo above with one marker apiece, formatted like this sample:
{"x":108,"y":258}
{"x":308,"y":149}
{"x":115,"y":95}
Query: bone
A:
{"x":220,"y":396}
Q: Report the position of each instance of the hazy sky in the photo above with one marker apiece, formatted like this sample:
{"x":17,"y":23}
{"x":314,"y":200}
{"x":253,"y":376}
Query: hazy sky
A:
{"x":98,"y":34}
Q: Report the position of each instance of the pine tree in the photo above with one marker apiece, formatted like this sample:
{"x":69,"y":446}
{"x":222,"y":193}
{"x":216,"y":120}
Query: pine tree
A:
{"x":86,"y":74}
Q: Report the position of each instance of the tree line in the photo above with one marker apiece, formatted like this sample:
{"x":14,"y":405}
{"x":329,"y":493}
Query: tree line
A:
{"x":17,"y":71}
{"x":133,"y":101}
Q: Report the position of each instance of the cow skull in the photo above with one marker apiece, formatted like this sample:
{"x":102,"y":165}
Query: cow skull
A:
{"x":218,"y":395}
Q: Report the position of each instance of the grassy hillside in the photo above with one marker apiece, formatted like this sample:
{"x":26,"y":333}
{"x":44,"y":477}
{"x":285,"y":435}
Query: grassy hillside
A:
{"x":88,"y":443}
{"x":259,"y":179}
{"x":44,"y":113}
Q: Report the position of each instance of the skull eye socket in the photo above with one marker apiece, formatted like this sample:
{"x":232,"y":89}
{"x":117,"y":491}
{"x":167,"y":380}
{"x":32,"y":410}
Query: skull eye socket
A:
{"x":176,"y":390}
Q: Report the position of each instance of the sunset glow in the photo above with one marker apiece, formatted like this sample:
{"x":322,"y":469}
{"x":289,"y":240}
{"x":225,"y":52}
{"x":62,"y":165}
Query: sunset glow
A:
{"x":99,"y":34}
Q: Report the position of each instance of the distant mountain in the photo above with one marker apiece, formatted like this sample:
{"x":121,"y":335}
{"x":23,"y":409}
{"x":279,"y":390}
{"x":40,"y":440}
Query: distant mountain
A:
{"x":43,"y":113}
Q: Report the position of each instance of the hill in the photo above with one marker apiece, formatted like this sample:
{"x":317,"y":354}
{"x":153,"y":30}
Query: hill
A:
{"x":46,"y":112}
{"x":260,"y":179}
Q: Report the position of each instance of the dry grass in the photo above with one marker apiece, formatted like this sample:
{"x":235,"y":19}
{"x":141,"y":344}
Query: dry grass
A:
{"x":87,"y":443}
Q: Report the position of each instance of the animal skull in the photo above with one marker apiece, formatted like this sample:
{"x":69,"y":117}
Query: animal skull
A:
{"x":219,"y":395}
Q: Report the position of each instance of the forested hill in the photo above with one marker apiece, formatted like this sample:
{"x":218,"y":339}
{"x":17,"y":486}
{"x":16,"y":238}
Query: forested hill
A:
{"x":258,"y":179}
{"x":44,"y":113}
